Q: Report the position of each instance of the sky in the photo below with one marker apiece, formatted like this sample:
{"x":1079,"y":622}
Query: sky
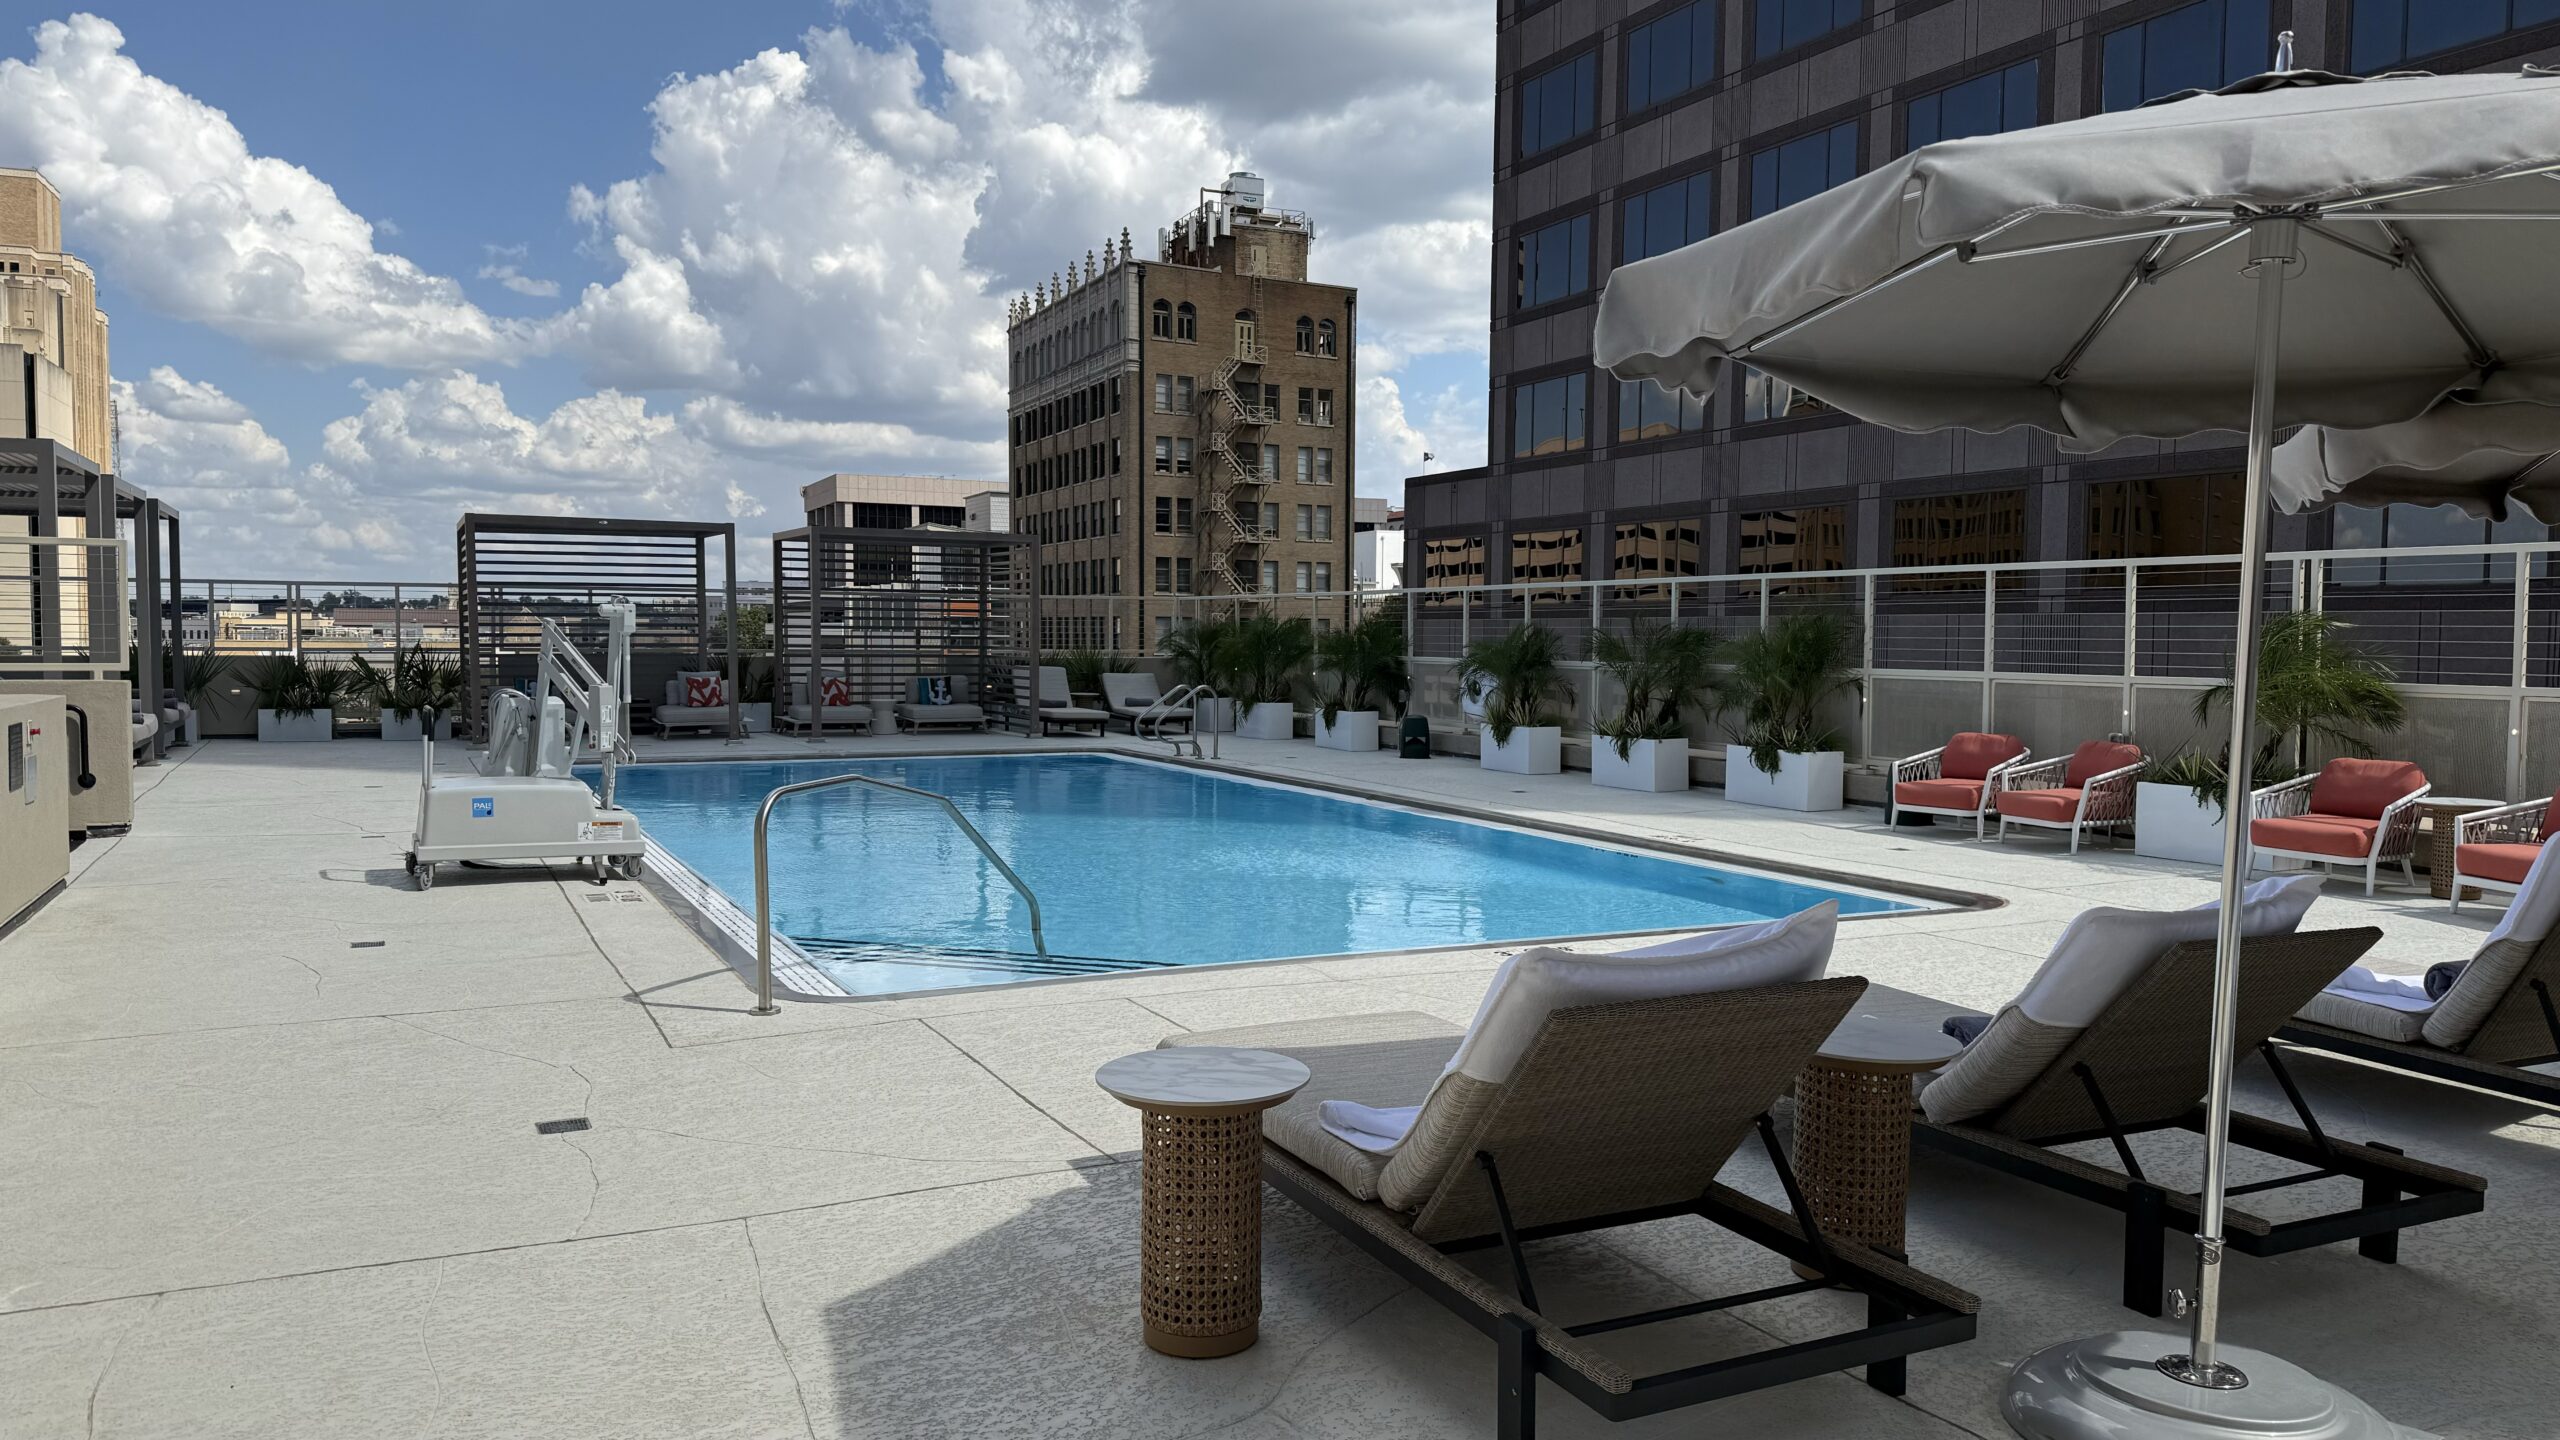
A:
{"x":371,"y":266}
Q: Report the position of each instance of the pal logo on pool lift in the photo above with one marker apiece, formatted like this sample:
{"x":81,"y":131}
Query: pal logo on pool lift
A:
{"x":483,"y":806}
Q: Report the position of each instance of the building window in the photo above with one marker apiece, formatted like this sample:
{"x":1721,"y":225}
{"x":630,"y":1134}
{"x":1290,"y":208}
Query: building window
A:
{"x":1182,"y":456}
{"x":1270,"y":577}
{"x":1160,"y":322}
{"x":1558,"y":105}
{"x":1671,"y":56}
{"x":1546,"y":555}
{"x":2388,"y":32}
{"x":1182,"y":574}
{"x":1306,"y":335}
{"x":1784,"y":24}
{"x":1164,"y":454}
{"x":1306,"y":405}
{"x":1652,"y":550}
{"x":2203,"y":46}
{"x":1186,"y":322}
{"x":1667,"y":217}
{"x":1984,"y":528}
{"x":1324,"y":575}
{"x":1306,"y":576}
{"x":1164,"y":574}
{"x":1324,"y":467}
{"x":1647,"y":411}
{"x":1328,"y":340}
{"x":1458,"y":560}
{"x":1547,"y":417}
{"x":1766,"y":397}
{"x":1183,"y":394}
{"x":1803,"y":168}
{"x":1115,"y":454}
{"x":2359,"y":527}
{"x":1306,"y":522}
{"x":1782,"y":542}
{"x":1990,"y":104}
{"x":1270,"y":518}
{"x":1164,"y":514}
{"x":1270,"y":464}
{"x":2177,"y":515}
{"x":1306,"y":465}
{"x":1324,"y":522}
{"x":1164,"y":394}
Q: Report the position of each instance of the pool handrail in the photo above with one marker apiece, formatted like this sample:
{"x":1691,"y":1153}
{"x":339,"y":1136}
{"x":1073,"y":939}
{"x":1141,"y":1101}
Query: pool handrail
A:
{"x":1161,"y":709}
{"x":764,"y":898}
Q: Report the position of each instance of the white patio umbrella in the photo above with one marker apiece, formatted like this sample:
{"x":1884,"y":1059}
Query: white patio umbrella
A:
{"x":2297,"y":249}
{"x":2488,"y":459}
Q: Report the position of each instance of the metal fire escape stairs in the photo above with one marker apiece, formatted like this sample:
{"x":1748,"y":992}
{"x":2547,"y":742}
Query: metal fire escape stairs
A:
{"x":1231,"y":492}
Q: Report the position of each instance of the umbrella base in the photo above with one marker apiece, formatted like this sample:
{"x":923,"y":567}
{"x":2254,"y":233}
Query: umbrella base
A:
{"x":2109,"y":1387}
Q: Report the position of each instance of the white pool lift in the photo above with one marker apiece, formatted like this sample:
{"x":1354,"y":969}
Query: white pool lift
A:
{"x":524,"y":803}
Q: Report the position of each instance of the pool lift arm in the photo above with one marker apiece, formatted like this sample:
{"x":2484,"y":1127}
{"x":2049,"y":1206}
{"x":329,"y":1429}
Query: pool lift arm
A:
{"x":525,"y":803}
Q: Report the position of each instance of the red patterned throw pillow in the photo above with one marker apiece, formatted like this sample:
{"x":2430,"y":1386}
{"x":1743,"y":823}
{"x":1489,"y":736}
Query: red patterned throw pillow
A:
{"x":835,"y":691}
{"x":704,"y":692}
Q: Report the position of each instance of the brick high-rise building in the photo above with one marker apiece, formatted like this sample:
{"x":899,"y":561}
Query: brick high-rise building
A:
{"x":53,"y":337}
{"x":1183,"y":426}
{"x":1625,"y":128}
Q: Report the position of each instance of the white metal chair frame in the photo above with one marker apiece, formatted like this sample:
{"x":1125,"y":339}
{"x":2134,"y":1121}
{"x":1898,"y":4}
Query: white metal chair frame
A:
{"x":2106,"y":801}
{"x":2395,"y":840}
{"x":2517,"y":824}
{"x":1926,"y":766}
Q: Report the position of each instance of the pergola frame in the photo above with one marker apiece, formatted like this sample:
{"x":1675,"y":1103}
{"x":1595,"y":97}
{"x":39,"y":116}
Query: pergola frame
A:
{"x":886,"y":607}
{"x":47,"y":481}
{"x":515,"y":570}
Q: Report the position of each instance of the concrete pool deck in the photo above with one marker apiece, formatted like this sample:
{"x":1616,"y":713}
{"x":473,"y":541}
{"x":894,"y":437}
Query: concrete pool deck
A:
{"x":272,"y":1166}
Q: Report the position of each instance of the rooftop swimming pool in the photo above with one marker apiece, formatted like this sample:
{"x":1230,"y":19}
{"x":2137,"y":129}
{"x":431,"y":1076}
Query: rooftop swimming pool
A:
{"x":1139,"y":865}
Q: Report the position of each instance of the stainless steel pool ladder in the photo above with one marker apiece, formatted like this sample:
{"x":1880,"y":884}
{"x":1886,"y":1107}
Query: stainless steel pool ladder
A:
{"x":1151,"y":721}
{"x":764,"y":898}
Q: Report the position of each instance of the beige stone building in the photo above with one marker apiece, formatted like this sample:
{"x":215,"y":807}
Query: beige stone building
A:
{"x":889,"y":502}
{"x":53,"y":336}
{"x":1183,"y":426}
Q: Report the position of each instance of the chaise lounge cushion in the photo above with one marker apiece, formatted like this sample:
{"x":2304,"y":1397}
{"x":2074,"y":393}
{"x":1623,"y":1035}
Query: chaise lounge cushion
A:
{"x":1534,"y":984}
{"x":2100,"y":953}
{"x":1389,"y":1059}
{"x":1963,"y":796}
{"x":2349,"y":837}
{"x":2507,"y":864}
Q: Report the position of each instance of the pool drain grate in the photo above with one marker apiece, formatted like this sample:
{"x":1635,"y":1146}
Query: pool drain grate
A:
{"x":559,"y":1127}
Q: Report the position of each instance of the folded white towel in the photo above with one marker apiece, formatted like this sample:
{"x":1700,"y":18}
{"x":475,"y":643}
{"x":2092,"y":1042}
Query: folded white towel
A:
{"x":2395,"y":992}
{"x":1367,"y":1127}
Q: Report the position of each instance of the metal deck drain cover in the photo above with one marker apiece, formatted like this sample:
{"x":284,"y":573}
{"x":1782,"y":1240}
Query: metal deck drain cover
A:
{"x":559,"y":1127}
{"x":367,"y":944}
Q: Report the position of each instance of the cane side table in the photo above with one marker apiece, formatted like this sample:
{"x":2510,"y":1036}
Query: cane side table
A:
{"x":1853,"y":1125}
{"x":2441,"y":811}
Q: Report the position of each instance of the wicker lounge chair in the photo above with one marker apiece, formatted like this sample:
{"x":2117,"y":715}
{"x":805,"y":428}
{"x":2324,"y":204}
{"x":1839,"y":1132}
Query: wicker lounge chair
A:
{"x":2354,"y":812}
{"x":1611,"y":1114}
{"x":2499,"y":1015}
{"x":2141,"y":1065}
{"x":2492,"y":849}
{"x":1960,"y":778}
{"x":2089,"y":789}
{"x":1058,"y":709}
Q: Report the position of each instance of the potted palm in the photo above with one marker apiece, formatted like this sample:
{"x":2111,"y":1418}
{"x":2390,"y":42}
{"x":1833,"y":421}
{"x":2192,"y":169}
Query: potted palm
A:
{"x":2314,"y":685}
{"x":1271,"y":656}
{"x":1203,"y":652}
{"x":417,"y":685}
{"x":1365,"y":666}
{"x":755,"y":695}
{"x":297,"y":701}
{"x":1662,"y":672}
{"x":1781,"y":678}
{"x":1519,"y":678}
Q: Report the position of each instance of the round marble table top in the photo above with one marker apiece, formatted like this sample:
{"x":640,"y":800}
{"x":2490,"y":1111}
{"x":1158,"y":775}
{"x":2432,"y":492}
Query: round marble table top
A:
{"x":1201,"y":1077}
{"x":1878,"y":1042}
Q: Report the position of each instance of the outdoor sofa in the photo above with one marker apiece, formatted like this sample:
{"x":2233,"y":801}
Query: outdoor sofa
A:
{"x":850,"y":715}
{"x":674,"y":713}
{"x":1593,"y":1092}
{"x":935,"y":702}
{"x":2110,"y":1040}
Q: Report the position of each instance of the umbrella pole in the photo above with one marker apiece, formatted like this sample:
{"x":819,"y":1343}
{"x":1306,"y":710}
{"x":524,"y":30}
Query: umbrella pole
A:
{"x":2274,"y":247}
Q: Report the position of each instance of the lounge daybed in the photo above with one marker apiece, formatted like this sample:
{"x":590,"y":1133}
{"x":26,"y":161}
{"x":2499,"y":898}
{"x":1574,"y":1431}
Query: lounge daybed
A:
{"x":1959,"y":778}
{"x":2354,"y":812}
{"x":940,"y":701}
{"x":841,"y":710}
{"x":2089,"y":789}
{"x":2493,"y":849}
{"x":696,"y":700}
{"x":2109,"y":1040}
{"x":2480,"y":1023}
{"x":1593,"y":1092}
{"x":1133,"y":697}
{"x":1057,"y":708}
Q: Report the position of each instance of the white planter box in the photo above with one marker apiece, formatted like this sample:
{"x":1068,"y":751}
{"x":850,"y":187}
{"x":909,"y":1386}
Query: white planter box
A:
{"x":2170,"y":823}
{"x":756,"y":716}
{"x":1532,"y":750}
{"x":1214,"y":716}
{"x":1268,"y":720}
{"x":405,"y":727}
{"x":1354,"y":730}
{"x":1654,"y":766}
{"x":298,"y":729}
{"x":1803,"y":782}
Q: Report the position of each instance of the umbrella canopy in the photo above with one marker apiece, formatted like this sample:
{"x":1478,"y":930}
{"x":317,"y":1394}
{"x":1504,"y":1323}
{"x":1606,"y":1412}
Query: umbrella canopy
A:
{"x":2488,"y":459}
{"x":2062,"y":285}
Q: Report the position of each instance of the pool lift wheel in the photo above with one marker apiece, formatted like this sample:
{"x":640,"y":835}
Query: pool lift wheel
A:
{"x":525,"y":803}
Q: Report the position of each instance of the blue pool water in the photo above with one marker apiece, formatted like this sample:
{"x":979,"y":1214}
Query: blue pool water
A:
{"x":1139,"y":864}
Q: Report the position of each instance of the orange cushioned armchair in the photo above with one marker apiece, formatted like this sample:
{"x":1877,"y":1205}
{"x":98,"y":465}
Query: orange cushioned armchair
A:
{"x":2492,"y":849}
{"x":2354,"y":812}
{"x":1958,"y":778}
{"x":2089,"y":789}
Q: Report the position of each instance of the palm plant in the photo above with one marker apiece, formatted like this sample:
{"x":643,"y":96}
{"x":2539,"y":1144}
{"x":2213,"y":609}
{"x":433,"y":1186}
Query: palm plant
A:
{"x":1270,"y":654}
{"x":1085,"y":669}
{"x":2314,"y":684}
{"x":1201,"y":652}
{"x":1661,"y":670}
{"x":1366,"y":663}
{"x":1780,"y":680}
{"x":1522,"y":670}
{"x":292,"y":686}
{"x":417,"y":682}
{"x":203,"y":673}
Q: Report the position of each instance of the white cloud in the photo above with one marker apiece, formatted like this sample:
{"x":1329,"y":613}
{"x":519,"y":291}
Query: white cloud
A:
{"x":506,"y":266}
{"x":235,"y":485}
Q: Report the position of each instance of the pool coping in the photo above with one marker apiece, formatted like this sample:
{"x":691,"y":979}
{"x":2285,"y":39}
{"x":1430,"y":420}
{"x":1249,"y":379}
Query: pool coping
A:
{"x":729,"y":932}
